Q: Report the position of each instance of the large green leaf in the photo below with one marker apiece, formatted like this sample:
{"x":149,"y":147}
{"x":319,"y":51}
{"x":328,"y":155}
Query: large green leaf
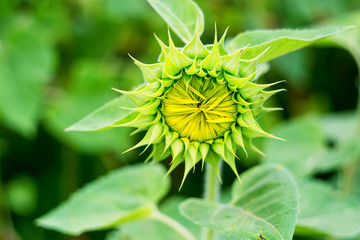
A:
{"x":26,"y":64}
{"x":280,"y":41}
{"x":122,"y":196}
{"x":265,"y":206}
{"x":181,"y":15}
{"x":325,"y":211}
{"x":314,"y":144}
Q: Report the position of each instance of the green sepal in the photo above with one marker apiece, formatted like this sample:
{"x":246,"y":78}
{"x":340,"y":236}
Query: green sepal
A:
{"x":249,"y":120}
{"x":241,"y":109}
{"x":213,"y":60}
{"x":169,"y":139}
{"x":218,"y":147}
{"x":222,"y":48}
{"x":192,"y":70}
{"x":213,"y":73}
{"x":159,"y":92}
{"x":253,"y":129}
{"x":150,"y":71}
{"x":189,"y":164}
{"x":149,"y":108}
{"x":237,"y":137}
{"x":195,"y":48}
{"x":177,"y":57}
{"x":165,"y":130}
{"x":230,"y":160}
{"x":142,"y":94}
{"x":229,"y":144}
{"x":256,"y":132}
{"x":193,"y":151}
{"x":241,"y":100}
{"x":221,"y":80}
{"x":201,"y":73}
{"x":262,"y":96}
{"x":186,"y":142}
{"x":164,"y":49}
{"x":150,"y":137}
{"x":171,"y":70}
{"x":204,"y":149}
{"x":166,"y":82}
{"x":248,"y":66}
{"x":158,"y":154}
{"x":177,"y":147}
{"x":249,"y":143}
{"x":230,"y":63}
{"x":250,"y":89}
{"x":187,"y":80}
{"x":135,"y":119}
{"x":238,"y":82}
{"x":262,"y":110}
{"x":174,"y":163}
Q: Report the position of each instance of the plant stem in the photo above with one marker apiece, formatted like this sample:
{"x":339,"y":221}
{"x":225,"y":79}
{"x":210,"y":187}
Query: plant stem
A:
{"x":211,"y":193}
{"x":157,"y":215}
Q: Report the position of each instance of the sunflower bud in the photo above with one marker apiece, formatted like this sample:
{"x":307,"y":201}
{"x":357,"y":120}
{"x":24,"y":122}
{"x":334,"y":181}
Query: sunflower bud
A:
{"x":199,"y":103}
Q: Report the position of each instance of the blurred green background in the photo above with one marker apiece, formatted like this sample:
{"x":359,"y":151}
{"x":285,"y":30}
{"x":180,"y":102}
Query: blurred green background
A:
{"x":60,"y":58}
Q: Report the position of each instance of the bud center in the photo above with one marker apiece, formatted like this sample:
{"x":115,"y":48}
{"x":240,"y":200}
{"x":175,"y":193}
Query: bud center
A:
{"x":199,"y":108}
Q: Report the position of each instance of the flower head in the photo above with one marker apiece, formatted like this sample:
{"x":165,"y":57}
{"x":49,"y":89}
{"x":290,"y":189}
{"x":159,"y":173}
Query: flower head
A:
{"x":198,"y":103}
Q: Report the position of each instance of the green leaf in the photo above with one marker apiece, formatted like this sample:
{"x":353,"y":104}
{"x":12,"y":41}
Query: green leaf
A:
{"x":27,"y":63}
{"x":280,"y":41}
{"x":314,"y":144}
{"x":181,"y":15}
{"x":263,"y":207}
{"x":124,"y":195}
{"x":327,"y":212}
{"x":105,"y":116}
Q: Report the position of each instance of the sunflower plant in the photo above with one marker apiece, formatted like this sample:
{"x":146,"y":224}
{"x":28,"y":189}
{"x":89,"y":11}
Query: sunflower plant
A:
{"x":198,"y":103}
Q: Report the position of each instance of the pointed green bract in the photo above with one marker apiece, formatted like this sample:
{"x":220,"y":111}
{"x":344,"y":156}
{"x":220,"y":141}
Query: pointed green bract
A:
{"x":230,"y":63}
{"x":195,"y":48}
{"x":212,"y":61}
{"x":150,"y":71}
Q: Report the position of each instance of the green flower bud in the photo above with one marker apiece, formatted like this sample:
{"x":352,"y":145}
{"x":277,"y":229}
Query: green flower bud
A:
{"x":198,"y":103}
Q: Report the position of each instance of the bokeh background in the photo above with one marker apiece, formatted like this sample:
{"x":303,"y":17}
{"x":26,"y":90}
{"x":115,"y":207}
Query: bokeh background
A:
{"x":60,"y":58}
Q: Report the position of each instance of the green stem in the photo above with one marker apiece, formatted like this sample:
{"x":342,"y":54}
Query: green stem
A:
{"x":211,"y":193}
{"x":157,"y":215}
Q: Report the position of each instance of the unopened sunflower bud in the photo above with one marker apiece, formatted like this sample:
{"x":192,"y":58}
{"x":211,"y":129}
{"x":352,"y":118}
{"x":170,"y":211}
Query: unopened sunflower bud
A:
{"x":199,"y":103}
